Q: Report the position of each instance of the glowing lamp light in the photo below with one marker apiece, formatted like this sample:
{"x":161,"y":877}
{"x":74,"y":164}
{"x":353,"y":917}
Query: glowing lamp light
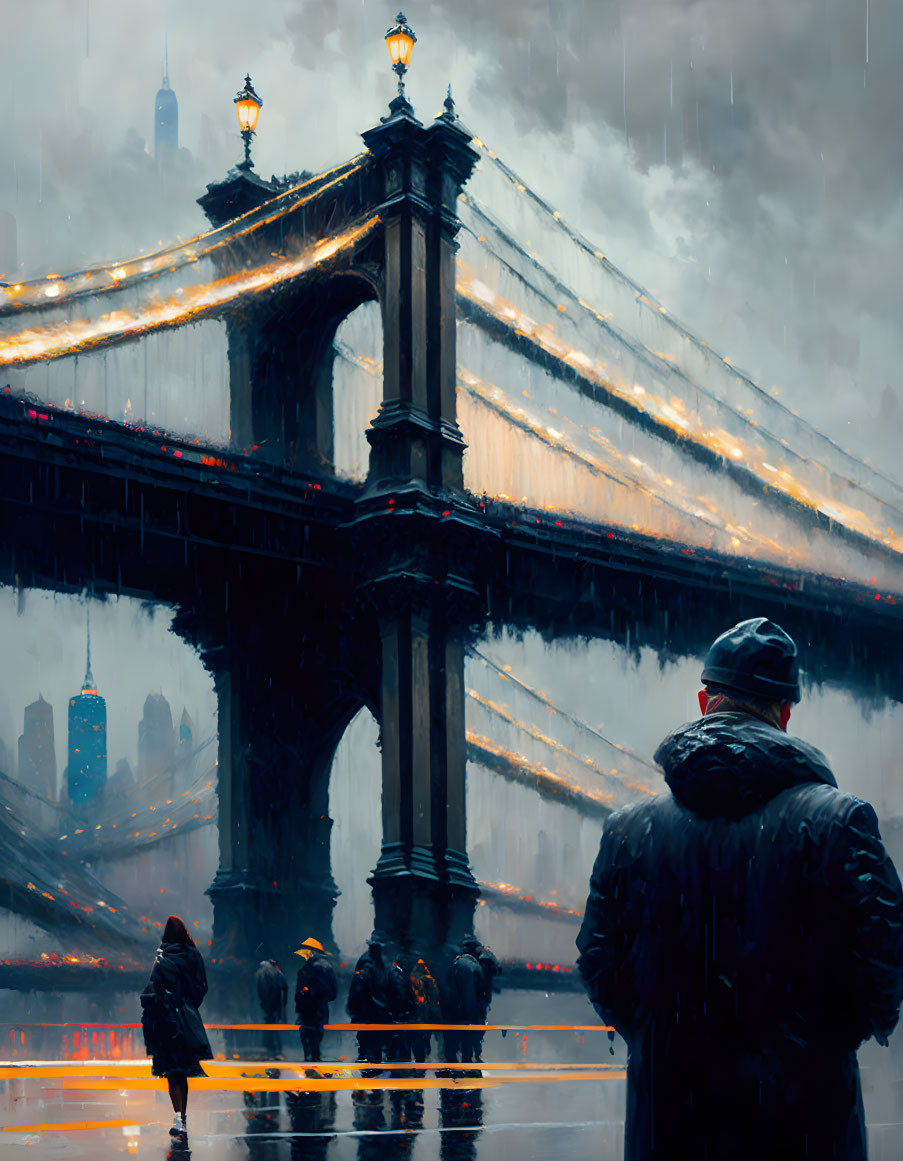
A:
{"x":247,"y":106}
{"x":400,"y":41}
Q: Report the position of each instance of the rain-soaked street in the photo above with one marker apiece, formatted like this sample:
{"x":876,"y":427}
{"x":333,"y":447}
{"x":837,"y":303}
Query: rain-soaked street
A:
{"x":542,"y":1094}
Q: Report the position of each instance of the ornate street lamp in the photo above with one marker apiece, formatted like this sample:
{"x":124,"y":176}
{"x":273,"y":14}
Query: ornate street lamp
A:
{"x":400,"y":40}
{"x":247,"y":106}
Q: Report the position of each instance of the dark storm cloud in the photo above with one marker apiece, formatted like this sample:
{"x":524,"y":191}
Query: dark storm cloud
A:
{"x":779,"y":125}
{"x":741,"y":159}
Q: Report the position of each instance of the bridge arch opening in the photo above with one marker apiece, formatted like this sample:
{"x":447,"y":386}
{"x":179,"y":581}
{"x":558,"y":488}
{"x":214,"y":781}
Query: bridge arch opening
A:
{"x":355,"y":806}
{"x":283,"y":360}
{"x":357,"y":387}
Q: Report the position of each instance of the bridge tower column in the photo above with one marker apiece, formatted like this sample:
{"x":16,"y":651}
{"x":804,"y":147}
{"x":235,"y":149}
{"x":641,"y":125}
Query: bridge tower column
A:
{"x":279,"y":725}
{"x":421,"y":586}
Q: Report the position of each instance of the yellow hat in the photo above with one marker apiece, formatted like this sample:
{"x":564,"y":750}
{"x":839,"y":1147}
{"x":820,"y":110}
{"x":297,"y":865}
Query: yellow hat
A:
{"x":309,"y":945}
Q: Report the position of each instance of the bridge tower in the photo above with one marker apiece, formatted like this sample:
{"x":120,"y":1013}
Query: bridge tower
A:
{"x":399,"y":647}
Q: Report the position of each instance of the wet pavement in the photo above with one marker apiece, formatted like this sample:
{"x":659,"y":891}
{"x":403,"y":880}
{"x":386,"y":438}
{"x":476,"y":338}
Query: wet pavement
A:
{"x":75,"y":1109}
{"x":541,"y":1094}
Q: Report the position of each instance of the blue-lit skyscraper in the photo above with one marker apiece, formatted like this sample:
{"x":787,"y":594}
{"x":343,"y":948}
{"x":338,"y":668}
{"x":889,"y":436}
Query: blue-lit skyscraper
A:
{"x":166,"y":119}
{"x":87,"y":770}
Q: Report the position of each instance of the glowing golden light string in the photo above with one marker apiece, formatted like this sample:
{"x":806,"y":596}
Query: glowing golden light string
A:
{"x":515,"y":893}
{"x":740,"y":414}
{"x":627,"y":340}
{"x":668,"y":494}
{"x":188,"y":304}
{"x":506,"y":674}
{"x":643,"y":297}
{"x":535,"y":775}
{"x":671,"y":413}
{"x":669,"y":497}
{"x":534,"y":732}
{"x":51,"y":291}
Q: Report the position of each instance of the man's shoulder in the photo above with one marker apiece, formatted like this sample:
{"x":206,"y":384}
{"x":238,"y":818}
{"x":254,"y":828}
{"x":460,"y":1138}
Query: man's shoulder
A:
{"x":637,"y":815}
{"x":816,"y":803}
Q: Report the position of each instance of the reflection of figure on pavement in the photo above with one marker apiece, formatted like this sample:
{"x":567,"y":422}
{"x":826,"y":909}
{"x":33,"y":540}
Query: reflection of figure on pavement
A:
{"x":427,"y":1008}
{"x":458,"y":1110}
{"x":311,"y":1113}
{"x":262,"y":1116}
{"x":272,"y":991}
{"x":367,"y":1000}
{"x":369,"y":1118}
{"x":401,"y":1002}
{"x":314,"y":990}
{"x":407,"y":1113}
{"x":178,"y":1149}
{"x":464,"y":1002}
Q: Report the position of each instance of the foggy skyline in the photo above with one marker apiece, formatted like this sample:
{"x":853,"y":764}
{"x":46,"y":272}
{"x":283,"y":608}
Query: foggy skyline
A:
{"x":44,"y":635}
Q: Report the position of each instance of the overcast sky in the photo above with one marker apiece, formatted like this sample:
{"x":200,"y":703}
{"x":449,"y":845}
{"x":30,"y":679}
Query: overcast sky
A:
{"x":743,"y":160}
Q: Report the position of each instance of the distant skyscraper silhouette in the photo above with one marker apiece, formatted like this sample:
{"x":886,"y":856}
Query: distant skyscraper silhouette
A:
{"x":87,"y":769}
{"x":156,"y":738}
{"x":186,"y":729}
{"x":37,"y":753}
{"x":166,"y":118}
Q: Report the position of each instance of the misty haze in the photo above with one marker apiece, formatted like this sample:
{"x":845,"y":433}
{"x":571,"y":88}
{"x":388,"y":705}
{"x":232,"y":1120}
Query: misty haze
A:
{"x":370,"y":505}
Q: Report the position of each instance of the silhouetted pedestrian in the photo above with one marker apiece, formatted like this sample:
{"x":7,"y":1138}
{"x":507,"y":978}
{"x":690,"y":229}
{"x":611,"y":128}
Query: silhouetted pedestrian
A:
{"x":427,"y":1008}
{"x":463,"y":1002}
{"x":272,"y":991}
{"x":401,"y":1002}
{"x":174,"y":1034}
{"x":744,"y":932}
{"x":315,"y":989}
{"x":368,"y":1001}
{"x":490,"y":968}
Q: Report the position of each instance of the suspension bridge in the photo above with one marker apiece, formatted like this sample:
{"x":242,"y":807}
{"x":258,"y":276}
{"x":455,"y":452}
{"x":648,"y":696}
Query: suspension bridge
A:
{"x":534,"y":443}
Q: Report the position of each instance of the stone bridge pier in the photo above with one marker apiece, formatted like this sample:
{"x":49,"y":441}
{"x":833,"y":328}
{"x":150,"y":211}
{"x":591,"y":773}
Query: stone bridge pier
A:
{"x":387,"y":626}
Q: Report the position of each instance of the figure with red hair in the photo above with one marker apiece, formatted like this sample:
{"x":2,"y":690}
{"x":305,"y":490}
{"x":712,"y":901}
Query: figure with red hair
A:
{"x":174,"y":1033}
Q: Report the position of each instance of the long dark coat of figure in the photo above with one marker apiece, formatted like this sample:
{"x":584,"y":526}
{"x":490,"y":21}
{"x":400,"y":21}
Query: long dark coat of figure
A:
{"x":744,"y":934}
{"x":174,"y":1033}
{"x":367,"y":1001}
{"x":464,"y":1002}
{"x":315,"y":989}
{"x":272,"y":990}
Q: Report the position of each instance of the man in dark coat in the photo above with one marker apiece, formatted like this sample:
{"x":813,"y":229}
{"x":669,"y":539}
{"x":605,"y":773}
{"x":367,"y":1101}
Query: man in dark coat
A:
{"x":368,"y":1000}
{"x":464,"y":1002}
{"x":401,"y":1004}
{"x":427,"y":1008}
{"x":744,"y":933}
{"x":315,"y":989}
{"x":272,"y":992}
{"x":490,"y":968}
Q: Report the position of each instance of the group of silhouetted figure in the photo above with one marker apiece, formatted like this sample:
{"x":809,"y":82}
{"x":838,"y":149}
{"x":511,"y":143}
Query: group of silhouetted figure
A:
{"x":387,"y":1000}
{"x":387,"y":993}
